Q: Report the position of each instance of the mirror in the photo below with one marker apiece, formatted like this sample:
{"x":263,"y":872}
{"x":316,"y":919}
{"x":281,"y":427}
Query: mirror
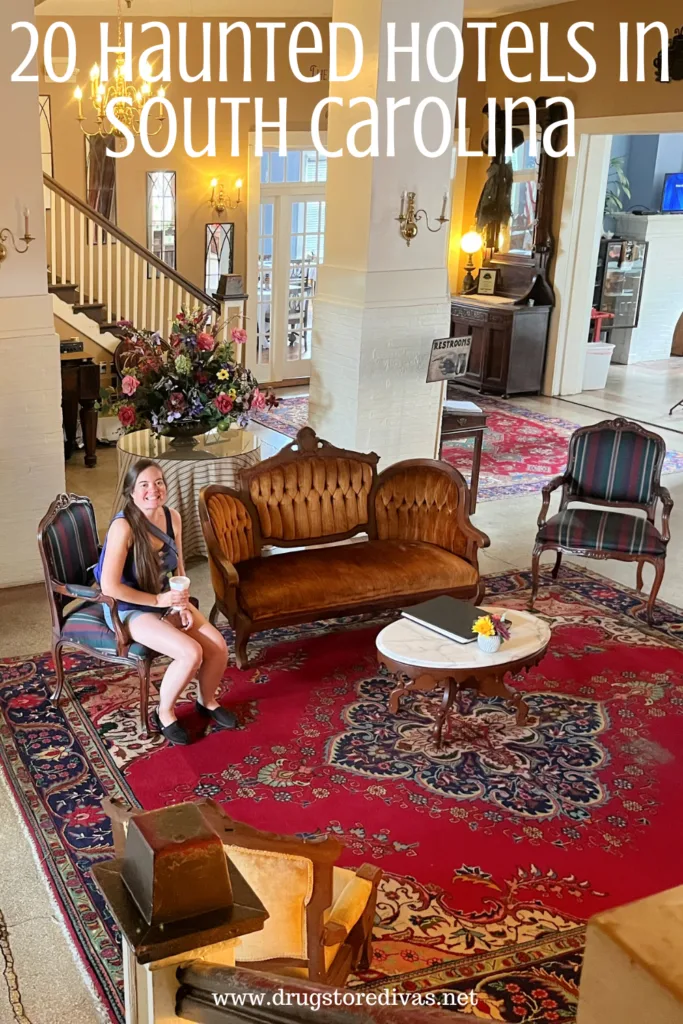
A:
{"x":218,"y":259}
{"x":517,"y":236}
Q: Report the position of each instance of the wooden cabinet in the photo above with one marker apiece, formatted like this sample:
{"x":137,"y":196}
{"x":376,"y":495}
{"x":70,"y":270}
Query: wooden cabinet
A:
{"x":508,"y":344}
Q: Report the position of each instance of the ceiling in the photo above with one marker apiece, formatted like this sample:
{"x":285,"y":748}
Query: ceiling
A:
{"x":256,"y":8}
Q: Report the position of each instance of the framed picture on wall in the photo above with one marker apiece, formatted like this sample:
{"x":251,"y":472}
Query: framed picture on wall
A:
{"x":100,"y":182}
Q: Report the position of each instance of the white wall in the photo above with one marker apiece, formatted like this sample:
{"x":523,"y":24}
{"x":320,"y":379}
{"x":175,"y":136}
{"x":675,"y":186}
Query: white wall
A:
{"x":662,"y":299}
{"x":31,"y":445}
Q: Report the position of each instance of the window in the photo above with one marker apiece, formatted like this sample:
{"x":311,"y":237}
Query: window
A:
{"x":46,"y":143}
{"x":161,"y":215}
{"x":218,"y":261}
{"x":300,"y":165}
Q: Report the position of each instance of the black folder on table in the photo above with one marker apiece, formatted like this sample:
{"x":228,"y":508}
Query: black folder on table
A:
{"x":448,"y":616}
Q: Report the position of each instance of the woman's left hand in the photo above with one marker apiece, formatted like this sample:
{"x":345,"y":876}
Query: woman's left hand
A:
{"x":186,"y":618}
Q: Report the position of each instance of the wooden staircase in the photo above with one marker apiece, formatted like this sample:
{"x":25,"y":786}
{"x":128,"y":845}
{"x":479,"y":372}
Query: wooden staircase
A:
{"x":98,"y":272}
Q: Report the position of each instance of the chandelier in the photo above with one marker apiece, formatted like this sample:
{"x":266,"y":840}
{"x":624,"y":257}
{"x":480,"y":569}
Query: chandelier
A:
{"x":130,"y":97}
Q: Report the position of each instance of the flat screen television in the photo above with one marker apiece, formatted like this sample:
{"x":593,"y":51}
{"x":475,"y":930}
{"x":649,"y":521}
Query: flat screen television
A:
{"x":672,"y":199}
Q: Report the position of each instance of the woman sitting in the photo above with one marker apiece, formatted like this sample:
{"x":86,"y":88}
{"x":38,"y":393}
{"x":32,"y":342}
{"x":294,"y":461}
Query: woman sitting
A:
{"x":142,"y":551}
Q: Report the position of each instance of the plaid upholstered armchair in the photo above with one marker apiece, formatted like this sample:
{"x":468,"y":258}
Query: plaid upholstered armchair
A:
{"x":618,"y":464}
{"x":68,"y":544}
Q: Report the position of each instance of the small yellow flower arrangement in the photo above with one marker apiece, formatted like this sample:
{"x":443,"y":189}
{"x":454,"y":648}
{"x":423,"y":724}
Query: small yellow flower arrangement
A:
{"x":223,"y":375}
{"x":491,"y":631}
{"x":484,"y":626}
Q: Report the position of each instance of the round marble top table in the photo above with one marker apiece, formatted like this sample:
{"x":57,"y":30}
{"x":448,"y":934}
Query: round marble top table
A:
{"x":217,"y":458}
{"x":422,"y":659}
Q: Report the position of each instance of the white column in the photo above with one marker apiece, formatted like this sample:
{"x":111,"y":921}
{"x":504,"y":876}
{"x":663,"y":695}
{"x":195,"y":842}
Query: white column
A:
{"x":31,"y":446}
{"x":380,"y":303}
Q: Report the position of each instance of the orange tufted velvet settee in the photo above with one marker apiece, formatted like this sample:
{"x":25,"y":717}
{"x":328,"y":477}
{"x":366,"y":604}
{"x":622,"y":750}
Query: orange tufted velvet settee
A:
{"x":418,"y":540}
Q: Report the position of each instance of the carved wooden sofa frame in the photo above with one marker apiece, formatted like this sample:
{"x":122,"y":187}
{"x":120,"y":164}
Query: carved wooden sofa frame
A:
{"x":449,"y":529}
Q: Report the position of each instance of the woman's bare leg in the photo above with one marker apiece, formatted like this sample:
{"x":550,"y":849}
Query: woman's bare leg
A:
{"x":214,"y":660}
{"x":186,"y":654}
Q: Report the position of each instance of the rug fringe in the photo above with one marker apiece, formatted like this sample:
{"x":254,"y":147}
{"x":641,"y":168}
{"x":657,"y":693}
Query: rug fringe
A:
{"x":103,"y":1014}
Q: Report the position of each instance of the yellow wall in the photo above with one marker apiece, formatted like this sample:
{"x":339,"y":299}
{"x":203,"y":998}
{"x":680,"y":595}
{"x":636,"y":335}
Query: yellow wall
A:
{"x":604,"y":96}
{"x":192,"y":175}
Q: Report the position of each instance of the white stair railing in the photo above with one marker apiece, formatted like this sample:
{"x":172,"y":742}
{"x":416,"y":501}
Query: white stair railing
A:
{"x":111,"y":268}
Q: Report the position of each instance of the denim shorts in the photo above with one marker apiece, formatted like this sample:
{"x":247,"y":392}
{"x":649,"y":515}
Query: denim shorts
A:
{"x":126,"y":614}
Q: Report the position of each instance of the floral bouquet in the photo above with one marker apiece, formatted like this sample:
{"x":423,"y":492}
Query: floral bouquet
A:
{"x":492,"y":630}
{"x":190,"y":384}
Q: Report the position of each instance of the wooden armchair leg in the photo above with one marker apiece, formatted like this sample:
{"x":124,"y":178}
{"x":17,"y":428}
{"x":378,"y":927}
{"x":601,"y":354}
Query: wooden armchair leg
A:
{"x":59,"y":672}
{"x":659,"y":576}
{"x":535,"y":565}
{"x":242,"y":634}
{"x":639,"y":577}
{"x":213,"y":614}
{"x":558,"y":563}
{"x":144,"y":669}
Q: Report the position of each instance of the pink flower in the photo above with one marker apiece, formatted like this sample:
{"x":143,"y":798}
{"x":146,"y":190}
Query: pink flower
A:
{"x":238,"y":336}
{"x":206,"y":342}
{"x":129,"y":385}
{"x":176,"y":401}
{"x":223,"y":403}
{"x":127,"y":415}
{"x":258,"y":401}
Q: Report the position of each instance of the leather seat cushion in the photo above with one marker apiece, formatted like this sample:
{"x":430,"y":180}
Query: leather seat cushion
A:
{"x":324,"y":579}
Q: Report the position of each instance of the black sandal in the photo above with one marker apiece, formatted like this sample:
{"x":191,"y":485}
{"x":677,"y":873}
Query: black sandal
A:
{"x":222,"y":718}
{"x":174,"y":732}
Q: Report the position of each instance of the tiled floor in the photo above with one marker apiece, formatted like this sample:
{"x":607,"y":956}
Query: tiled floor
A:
{"x":645,"y":391}
{"x":52,"y":988}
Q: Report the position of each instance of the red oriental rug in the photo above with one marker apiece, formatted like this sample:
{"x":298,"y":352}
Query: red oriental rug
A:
{"x":495,"y":850}
{"x":521,"y":448}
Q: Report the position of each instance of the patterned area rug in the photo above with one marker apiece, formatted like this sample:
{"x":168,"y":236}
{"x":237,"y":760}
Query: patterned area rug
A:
{"x":521,"y":448}
{"x":495,"y":850}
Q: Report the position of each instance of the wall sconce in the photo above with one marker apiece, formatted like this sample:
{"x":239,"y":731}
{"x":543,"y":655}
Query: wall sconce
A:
{"x":219,"y":201}
{"x":470,"y":243}
{"x":6,"y":234}
{"x":409,"y":216}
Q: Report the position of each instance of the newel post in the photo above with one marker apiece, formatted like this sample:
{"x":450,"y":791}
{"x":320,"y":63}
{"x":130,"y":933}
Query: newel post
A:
{"x":177,"y":899}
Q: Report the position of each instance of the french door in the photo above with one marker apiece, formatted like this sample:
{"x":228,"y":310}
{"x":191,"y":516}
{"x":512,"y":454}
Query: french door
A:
{"x":283,"y":265}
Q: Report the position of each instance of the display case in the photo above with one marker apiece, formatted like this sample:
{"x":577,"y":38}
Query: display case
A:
{"x":619,"y":281}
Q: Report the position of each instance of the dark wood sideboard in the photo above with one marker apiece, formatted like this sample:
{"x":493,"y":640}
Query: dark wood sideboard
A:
{"x":508,"y":344}
{"x":80,"y":387}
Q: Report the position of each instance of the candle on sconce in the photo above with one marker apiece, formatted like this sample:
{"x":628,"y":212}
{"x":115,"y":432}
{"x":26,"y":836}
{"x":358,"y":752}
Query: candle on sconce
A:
{"x":27,"y":214}
{"x":403,"y":204}
{"x":161,"y":94}
{"x":238,"y":185}
{"x":443,"y":208}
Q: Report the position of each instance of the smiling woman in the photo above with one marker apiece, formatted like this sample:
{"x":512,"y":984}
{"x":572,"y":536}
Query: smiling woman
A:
{"x":141,"y":567}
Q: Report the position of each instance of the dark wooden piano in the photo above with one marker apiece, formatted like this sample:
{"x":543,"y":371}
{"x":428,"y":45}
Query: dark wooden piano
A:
{"x":80,"y":390}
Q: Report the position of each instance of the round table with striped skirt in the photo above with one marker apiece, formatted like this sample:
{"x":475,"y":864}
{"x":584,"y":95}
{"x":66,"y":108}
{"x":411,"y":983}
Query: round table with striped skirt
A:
{"x":216,"y":459}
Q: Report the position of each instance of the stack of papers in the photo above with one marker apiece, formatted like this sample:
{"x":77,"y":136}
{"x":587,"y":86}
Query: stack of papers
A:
{"x":450,"y":405}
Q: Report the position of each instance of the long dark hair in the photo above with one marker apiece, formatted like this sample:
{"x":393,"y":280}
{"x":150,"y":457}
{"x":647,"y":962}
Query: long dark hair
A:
{"x":147,"y":570}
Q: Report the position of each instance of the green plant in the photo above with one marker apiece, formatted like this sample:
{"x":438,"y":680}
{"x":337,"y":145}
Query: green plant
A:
{"x":618,"y":184}
{"x":106,"y":402}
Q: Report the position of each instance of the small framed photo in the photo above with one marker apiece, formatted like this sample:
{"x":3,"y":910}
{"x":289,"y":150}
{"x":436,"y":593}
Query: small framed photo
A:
{"x":486,"y":282}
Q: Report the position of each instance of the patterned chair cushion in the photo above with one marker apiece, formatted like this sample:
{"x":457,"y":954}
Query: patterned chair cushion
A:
{"x":602,"y":531}
{"x":71,"y":544}
{"x":86,"y":625}
{"x":615,"y":465}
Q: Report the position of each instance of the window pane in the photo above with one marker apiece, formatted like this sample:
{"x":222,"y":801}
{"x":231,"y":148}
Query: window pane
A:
{"x":322,"y":167}
{"x":294,"y":165}
{"x":310,"y":165}
{"x":161,"y":215}
{"x":277,"y":168}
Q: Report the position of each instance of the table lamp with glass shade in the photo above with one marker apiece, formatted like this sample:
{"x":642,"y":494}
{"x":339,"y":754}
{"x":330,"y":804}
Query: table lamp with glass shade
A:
{"x":470,"y":243}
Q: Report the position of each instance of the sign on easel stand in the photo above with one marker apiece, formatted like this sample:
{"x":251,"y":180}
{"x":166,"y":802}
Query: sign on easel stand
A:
{"x":449,"y":359}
